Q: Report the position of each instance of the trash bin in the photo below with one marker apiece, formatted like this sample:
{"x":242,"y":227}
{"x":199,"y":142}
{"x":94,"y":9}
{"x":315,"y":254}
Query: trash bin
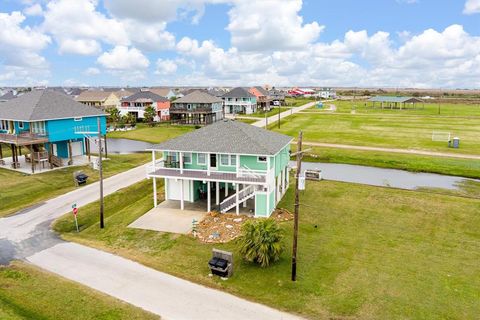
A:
{"x":80,"y":178}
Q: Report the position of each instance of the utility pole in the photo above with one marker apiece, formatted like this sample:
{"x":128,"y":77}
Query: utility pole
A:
{"x":299,"y":154}
{"x":279,"y":111}
{"x":100,"y":169}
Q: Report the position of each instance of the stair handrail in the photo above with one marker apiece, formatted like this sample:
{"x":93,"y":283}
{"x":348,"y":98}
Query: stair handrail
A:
{"x":241,"y":194}
{"x":248,"y":171}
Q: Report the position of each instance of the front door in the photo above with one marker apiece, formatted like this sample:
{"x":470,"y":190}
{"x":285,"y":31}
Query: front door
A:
{"x":213,"y":161}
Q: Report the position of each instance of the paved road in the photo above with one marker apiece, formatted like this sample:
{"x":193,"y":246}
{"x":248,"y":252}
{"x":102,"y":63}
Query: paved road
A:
{"x":28,"y":236}
{"x":290,"y":111}
{"x":394,"y":150}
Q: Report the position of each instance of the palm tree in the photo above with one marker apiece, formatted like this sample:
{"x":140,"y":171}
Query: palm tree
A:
{"x":261,"y":241}
{"x":149,"y":114}
{"x":130,"y":119}
{"x":113,"y":115}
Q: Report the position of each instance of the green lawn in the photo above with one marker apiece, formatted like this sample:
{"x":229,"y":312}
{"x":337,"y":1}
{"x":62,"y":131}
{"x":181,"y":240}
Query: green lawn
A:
{"x":19,"y":191}
{"x":272,"y":112}
{"x":297,"y":102}
{"x":390,"y":131}
{"x":29,"y":293}
{"x":415,"y":163}
{"x":364,"y":252}
{"x":249,"y":121}
{"x":432,"y":109}
{"x":156,"y":134}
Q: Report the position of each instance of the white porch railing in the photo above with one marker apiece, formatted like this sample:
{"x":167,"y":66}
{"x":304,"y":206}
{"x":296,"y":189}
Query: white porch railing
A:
{"x":243,"y":195}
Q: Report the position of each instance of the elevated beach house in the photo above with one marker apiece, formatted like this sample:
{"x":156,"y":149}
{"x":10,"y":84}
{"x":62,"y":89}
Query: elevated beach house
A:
{"x":229,"y":165}
{"x":49,"y":126}
{"x":239,"y":100}
{"x":197,"y":107}
{"x":136,"y":103}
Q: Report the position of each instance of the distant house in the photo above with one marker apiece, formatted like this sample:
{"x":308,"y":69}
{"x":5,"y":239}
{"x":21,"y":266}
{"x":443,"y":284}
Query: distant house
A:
{"x":263,"y":97}
{"x":239,"y":100}
{"x":99,"y":99}
{"x":163,"y":92}
{"x":229,"y":166}
{"x":304,"y":92}
{"x":327,"y":93}
{"x":136,"y":103}
{"x":277,"y":96}
{"x":50,"y":125}
{"x":8,"y":96}
{"x":197,"y":107}
{"x":394,"y":102}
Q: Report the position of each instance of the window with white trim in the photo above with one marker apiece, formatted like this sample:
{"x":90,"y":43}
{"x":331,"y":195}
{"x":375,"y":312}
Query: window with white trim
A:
{"x":20,"y":125}
{"x":4,"y":125}
{"x":38,"y":127}
{"x":233,"y":160}
{"x":262,"y":159}
{"x":201,"y":158}
{"x":187,"y":158}
{"x":224,"y":160}
{"x":77,"y":119}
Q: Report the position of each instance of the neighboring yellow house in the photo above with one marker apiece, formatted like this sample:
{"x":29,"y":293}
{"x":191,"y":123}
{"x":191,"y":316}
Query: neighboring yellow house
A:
{"x":102,"y":99}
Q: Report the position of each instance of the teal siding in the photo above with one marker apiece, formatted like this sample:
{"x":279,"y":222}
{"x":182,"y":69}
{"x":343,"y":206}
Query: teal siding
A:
{"x":281,"y":160}
{"x":64,"y":129}
{"x":261,"y":205}
{"x":252,"y":163}
{"x":62,"y":149}
{"x":272,"y":202}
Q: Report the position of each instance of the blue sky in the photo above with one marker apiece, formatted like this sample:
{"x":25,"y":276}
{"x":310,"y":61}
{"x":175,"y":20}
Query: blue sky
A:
{"x":405,"y":43}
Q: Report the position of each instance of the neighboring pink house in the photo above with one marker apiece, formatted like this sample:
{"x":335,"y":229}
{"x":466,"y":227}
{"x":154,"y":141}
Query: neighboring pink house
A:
{"x":163,"y":109}
{"x":136,"y":104}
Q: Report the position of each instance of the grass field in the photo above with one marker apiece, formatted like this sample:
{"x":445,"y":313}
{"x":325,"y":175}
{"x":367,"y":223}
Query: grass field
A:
{"x":19,"y":191}
{"x":272,"y":112}
{"x":415,"y":163}
{"x":390,"y":131}
{"x":297,"y":102}
{"x":428,"y":109}
{"x":156,"y":134}
{"x":29,"y":293}
{"x":364,"y":252}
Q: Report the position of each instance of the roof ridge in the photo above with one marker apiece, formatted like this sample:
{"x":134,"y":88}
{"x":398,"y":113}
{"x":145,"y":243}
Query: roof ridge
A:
{"x":36,"y":104}
{"x":256,"y":141}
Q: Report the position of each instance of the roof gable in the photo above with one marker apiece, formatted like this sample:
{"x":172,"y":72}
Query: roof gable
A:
{"x":145,"y":96}
{"x":238,"y":92}
{"x":198,"y":96}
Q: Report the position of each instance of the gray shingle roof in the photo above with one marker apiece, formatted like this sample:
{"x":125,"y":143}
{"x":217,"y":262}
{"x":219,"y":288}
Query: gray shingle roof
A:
{"x":238,"y":92}
{"x":228,"y":136}
{"x":198,"y":97}
{"x":145,"y":95}
{"x":45,"y":105}
{"x":261,"y":90}
{"x":393,"y":99}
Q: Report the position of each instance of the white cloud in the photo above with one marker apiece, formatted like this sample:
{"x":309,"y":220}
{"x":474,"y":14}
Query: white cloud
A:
{"x":122,"y":58}
{"x":92,"y":71}
{"x":33,"y":10}
{"x":472,"y":7}
{"x":21,"y":46}
{"x":270,"y":25}
{"x":166,"y":67}
{"x":80,"y":46}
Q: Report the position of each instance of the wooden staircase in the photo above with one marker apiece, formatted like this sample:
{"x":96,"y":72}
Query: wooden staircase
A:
{"x":56,"y":161}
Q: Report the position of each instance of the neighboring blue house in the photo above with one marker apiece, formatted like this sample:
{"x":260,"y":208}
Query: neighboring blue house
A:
{"x":50,"y":125}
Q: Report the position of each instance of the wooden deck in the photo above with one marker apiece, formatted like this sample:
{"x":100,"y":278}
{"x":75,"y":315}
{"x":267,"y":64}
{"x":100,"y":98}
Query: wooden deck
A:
{"x":23,"y":139}
{"x":214,"y":176}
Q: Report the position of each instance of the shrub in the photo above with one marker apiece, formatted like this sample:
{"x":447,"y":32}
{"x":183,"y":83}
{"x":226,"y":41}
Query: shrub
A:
{"x":261,"y":241}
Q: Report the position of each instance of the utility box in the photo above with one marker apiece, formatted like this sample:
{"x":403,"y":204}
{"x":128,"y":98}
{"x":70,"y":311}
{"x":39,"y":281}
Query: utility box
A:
{"x":301,"y":183}
{"x":454,"y":143}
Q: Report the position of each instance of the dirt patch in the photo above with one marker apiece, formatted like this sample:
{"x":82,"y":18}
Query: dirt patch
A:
{"x":221,"y":228}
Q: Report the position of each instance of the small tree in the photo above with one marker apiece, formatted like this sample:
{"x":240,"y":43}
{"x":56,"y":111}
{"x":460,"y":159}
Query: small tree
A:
{"x":261,"y":241}
{"x":130,"y":119}
{"x":149,"y":114}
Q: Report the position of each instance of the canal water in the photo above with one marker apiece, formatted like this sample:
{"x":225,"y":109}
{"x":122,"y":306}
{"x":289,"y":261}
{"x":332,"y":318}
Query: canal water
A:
{"x":383,"y":177}
{"x":124,"y":146}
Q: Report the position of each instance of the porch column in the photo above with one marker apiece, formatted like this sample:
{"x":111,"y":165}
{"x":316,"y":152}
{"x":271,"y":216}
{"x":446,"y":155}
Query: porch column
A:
{"x":244,"y":202}
{"x":70,"y":162}
{"x":226,"y":189}
{"x":50,"y":154}
{"x":32,"y":158}
{"x":181,"y":195}
{"x":154,"y":192}
{"x":237,"y":163}
{"x":209,"y":198}
{"x":181,"y":162}
{"x":217,"y":193}
{"x":1,"y":152}
{"x":87,"y":146}
{"x":236,"y":199}
{"x":208,"y":164}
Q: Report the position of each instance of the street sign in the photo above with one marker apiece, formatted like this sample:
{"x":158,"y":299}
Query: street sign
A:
{"x":313,"y":174}
{"x":75,"y":211}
